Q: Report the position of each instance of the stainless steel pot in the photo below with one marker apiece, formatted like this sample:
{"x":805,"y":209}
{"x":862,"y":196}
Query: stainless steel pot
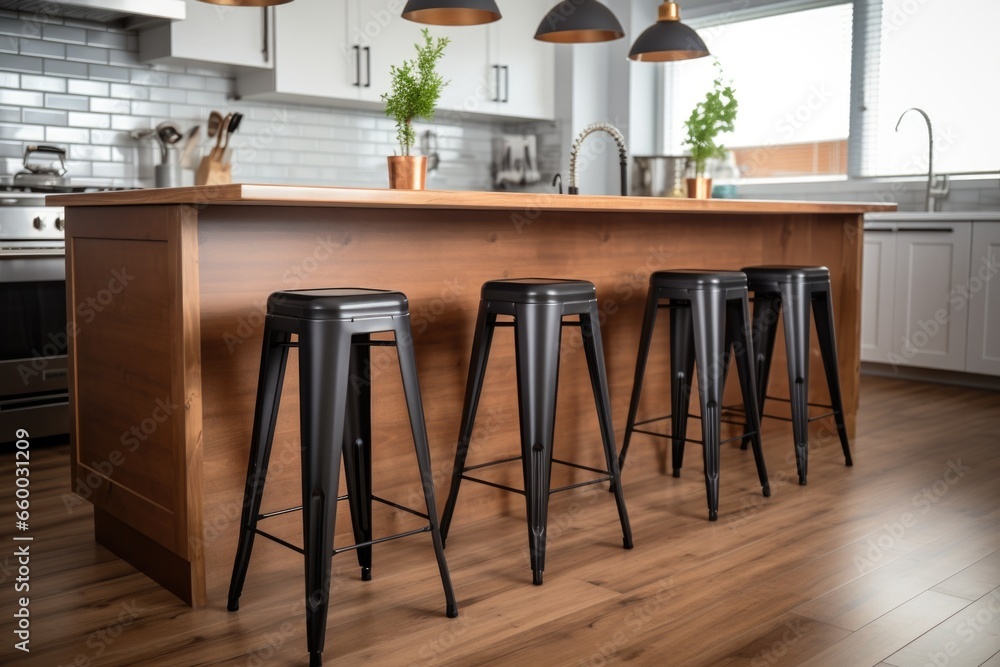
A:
{"x":657,"y":176}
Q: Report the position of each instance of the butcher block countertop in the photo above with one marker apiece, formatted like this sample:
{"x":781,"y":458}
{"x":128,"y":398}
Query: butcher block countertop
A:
{"x":291,"y":195}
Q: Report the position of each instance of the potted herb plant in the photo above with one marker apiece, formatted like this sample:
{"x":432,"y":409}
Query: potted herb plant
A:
{"x":709,"y":118}
{"x":416,"y":89}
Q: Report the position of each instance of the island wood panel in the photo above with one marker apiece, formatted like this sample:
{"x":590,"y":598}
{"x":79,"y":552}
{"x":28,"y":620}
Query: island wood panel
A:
{"x":135,"y":380}
{"x":222,"y":275}
{"x":440,"y":259}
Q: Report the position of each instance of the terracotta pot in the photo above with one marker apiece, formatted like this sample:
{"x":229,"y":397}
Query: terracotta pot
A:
{"x":699,"y":187}
{"x":407,"y":172}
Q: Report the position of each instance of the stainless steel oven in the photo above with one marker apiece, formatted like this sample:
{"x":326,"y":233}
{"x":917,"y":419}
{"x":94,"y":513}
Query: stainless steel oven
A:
{"x":33,"y":335}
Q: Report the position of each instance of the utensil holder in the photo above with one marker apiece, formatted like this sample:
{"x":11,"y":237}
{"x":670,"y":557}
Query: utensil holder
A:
{"x":213,"y":171}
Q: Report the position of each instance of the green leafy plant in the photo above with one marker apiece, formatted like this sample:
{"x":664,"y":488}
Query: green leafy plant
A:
{"x":416,"y":89}
{"x":709,"y":118}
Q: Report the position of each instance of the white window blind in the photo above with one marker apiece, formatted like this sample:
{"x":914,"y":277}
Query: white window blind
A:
{"x":942,"y":56}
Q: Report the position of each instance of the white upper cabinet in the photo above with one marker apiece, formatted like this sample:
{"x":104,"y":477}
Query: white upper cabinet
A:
{"x":239,"y":36}
{"x":526,"y":66}
{"x":500,"y":68}
{"x":342,"y":50}
{"x":337,"y":50}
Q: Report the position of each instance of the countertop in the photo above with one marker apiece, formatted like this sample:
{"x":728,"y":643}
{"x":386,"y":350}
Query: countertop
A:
{"x":937,"y":216}
{"x":290,"y":195}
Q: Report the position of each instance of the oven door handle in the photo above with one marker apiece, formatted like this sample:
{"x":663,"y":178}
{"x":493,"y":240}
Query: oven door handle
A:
{"x":54,"y":373}
{"x":34,"y":253}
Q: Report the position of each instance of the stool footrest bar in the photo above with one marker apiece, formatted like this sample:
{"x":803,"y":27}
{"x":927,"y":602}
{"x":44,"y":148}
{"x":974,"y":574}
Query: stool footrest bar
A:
{"x":493,"y":484}
{"x":400,"y":507}
{"x":417,"y":531}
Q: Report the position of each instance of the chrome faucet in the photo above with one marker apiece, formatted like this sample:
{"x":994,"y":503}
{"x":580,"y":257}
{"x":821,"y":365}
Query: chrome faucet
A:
{"x":935,"y":190}
{"x":622,"y":154}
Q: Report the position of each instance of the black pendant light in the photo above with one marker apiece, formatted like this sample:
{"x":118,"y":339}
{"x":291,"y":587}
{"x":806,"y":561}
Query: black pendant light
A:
{"x":577,"y":22}
{"x":246,"y":3}
{"x":668,"y":39}
{"x":451,"y":12}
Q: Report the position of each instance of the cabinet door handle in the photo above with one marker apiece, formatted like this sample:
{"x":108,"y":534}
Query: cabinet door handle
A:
{"x":496,"y":81}
{"x":945,"y":230}
{"x":368,"y":67}
{"x":357,"y":65}
{"x":265,"y":42}
{"x":879,"y":230}
{"x":506,"y":84}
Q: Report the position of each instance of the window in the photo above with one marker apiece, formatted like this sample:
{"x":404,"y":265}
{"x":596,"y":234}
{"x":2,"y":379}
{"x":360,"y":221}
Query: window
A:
{"x":792,"y":76}
{"x":944,"y":58}
{"x":791,"y":64}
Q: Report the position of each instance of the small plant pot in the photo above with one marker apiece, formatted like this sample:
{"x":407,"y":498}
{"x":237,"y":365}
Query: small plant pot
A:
{"x":407,"y":172}
{"x":699,"y":187}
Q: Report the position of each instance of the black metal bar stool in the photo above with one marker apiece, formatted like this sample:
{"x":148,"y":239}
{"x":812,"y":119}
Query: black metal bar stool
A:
{"x":334,"y":328}
{"x":708,"y":309}
{"x":792,"y":289}
{"x":538,"y":306}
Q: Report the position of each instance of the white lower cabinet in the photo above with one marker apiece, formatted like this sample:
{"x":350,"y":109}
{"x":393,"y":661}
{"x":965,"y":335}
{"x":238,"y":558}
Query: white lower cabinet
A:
{"x":983,"y":353}
{"x":927,"y":299}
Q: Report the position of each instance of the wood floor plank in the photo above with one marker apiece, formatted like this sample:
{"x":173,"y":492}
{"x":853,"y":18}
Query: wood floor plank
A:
{"x":967,"y":639}
{"x":974,"y":581}
{"x":882,"y":637}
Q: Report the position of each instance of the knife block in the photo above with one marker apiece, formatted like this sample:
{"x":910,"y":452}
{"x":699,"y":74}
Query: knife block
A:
{"x":213,"y":171}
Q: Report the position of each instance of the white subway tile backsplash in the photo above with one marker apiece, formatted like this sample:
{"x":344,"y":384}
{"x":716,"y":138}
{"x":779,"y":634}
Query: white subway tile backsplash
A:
{"x":21,"y":98}
{"x":64,"y":33}
{"x":157,"y":109}
{"x":92,"y":153}
{"x":10,"y":149}
{"x":113,"y":40}
{"x":129,"y":92}
{"x":98,"y":88}
{"x":166,"y":95}
{"x":10,"y":114}
{"x":148,"y":77}
{"x":65,"y":68}
{"x":9,"y":80}
{"x":108,"y":73}
{"x":38,"y":47}
{"x":44,"y":117}
{"x":49,"y":84}
{"x":130,"y":123}
{"x":95,"y":120}
{"x":13,"y":63}
{"x":186,"y":81}
{"x":67,"y":102}
{"x":66,"y":135}
{"x":105,"y":105}
{"x":87,"y":54}
{"x":124,"y":58}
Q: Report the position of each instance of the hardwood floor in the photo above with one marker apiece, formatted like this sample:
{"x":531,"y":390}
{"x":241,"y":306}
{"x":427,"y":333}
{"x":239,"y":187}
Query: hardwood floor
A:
{"x":895,"y":561}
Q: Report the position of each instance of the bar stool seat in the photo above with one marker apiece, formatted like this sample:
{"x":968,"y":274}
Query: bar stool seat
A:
{"x":333,"y":329}
{"x":538,"y":306}
{"x":790,"y":291}
{"x":709,"y":311}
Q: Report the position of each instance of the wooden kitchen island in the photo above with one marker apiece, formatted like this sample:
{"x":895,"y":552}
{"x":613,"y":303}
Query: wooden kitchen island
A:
{"x":166,"y":293}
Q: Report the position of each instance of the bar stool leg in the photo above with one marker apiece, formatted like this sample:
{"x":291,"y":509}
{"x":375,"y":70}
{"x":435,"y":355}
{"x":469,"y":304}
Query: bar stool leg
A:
{"x":708,"y":308}
{"x":738,"y":325}
{"x":645,"y":340}
{"x":823,"y":312}
{"x":414,"y":405}
{"x":682,"y":353}
{"x":537,"y":333}
{"x":324,"y":358}
{"x":795,"y":300}
{"x":590,"y":329}
{"x":766,"y":309}
{"x":481,"y":342}
{"x":273,"y":358}
{"x":358,"y":449}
